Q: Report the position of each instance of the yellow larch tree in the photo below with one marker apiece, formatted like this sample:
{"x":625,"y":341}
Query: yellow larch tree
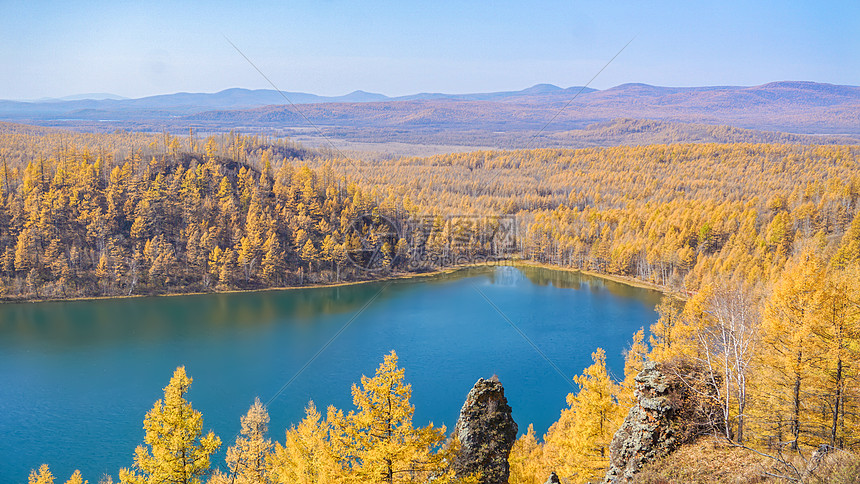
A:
{"x":836,"y":373}
{"x":247,"y":458}
{"x":670,"y":335}
{"x":577,"y":445}
{"x":634,"y":360}
{"x":787,"y":352}
{"x":309,"y":253}
{"x":76,"y":478}
{"x":42,"y":476}
{"x":305,"y":457}
{"x":379,"y":440}
{"x":849,"y":248}
{"x":526,"y":460}
{"x":175,"y":450}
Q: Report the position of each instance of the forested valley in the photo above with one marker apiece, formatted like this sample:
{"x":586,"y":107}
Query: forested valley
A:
{"x":757,"y":247}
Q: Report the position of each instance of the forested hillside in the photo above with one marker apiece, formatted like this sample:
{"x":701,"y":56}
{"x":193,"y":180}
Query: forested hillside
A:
{"x":87,"y":214}
{"x":123,"y":214}
{"x":674,"y":215}
{"x":778,"y":362}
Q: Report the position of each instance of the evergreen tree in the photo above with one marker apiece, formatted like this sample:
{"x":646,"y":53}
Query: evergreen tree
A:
{"x":44,"y":476}
{"x":309,"y":253}
{"x":76,"y":478}
{"x":670,"y":336}
{"x":634,"y":360}
{"x":273,"y":261}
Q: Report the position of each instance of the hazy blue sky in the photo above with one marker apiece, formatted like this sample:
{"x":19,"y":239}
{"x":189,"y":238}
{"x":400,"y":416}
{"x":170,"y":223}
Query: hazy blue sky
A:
{"x":332,"y":47}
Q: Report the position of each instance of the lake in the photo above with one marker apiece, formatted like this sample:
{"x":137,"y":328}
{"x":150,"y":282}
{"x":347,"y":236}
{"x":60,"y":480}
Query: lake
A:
{"x":77,"y":378}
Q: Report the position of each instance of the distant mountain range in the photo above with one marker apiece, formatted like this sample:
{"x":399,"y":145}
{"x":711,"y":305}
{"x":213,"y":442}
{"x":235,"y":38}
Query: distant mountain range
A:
{"x":790,"y":106}
{"x":237,"y":98}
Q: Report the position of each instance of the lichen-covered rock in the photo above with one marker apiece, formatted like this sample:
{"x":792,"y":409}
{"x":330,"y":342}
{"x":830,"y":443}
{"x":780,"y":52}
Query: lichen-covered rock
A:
{"x":673,"y":407}
{"x":486,"y":432}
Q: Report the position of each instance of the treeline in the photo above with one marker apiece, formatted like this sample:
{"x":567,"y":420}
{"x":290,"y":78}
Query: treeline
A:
{"x":376,"y":442}
{"x":625,"y":131}
{"x":622,"y":131}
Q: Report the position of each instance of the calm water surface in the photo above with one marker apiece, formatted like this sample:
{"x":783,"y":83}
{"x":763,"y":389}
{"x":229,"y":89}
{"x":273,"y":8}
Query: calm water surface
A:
{"x":77,"y":378}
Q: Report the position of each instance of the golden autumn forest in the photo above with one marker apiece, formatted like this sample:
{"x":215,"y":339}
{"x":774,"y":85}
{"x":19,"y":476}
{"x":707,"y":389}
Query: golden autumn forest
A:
{"x":756,"y":246}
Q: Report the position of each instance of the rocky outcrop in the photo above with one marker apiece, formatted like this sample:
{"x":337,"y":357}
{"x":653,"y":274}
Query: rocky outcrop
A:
{"x":674,"y":406}
{"x":486,"y":432}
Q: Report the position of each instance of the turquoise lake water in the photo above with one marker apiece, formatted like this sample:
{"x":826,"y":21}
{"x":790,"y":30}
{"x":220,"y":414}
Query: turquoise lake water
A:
{"x":77,"y":378}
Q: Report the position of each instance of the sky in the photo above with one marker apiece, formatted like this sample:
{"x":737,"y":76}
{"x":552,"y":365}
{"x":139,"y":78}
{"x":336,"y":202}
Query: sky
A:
{"x":333,"y":47}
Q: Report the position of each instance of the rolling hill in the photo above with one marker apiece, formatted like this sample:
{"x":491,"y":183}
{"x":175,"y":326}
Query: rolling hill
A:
{"x":541,"y":114}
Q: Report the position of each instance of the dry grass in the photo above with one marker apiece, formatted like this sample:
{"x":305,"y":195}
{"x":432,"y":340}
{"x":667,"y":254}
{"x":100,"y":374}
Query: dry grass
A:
{"x":707,"y":461}
{"x":713,"y":461}
{"x":839,"y":467}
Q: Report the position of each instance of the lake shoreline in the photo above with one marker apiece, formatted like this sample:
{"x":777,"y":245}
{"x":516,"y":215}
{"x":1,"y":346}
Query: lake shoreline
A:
{"x":394,"y":277}
{"x":401,"y":276}
{"x":629,"y":281}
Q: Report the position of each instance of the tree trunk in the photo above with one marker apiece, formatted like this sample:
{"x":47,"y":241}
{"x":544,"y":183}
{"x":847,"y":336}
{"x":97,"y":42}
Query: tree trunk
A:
{"x":795,"y":422}
{"x":740,"y":434}
{"x":837,"y":402}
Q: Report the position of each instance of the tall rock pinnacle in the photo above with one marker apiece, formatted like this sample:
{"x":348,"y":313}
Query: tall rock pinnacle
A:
{"x":487,"y":433}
